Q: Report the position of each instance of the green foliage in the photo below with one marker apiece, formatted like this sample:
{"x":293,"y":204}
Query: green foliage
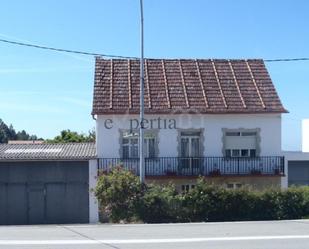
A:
{"x":8,"y":133}
{"x":159,"y":204}
{"x":68,"y":136}
{"x":305,"y":191}
{"x":213,"y":203}
{"x":119,"y":192}
{"x":122,"y":197}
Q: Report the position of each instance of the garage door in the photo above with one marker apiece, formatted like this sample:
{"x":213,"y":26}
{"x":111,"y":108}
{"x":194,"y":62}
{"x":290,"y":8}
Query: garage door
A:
{"x":44,"y":192}
{"x":298,"y":173}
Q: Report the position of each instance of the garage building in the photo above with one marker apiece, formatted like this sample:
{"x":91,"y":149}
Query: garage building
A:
{"x":297,"y":168}
{"x":47,"y":183}
{"x":298,"y":173}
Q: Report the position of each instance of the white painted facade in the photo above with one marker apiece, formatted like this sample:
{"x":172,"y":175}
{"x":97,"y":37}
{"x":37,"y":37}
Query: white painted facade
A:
{"x":109,"y":126}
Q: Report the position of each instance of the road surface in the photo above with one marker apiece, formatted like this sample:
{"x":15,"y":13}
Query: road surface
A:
{"x":224,"y":235}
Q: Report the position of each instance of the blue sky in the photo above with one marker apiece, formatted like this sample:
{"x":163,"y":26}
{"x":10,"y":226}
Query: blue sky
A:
{"x":45,"y":92}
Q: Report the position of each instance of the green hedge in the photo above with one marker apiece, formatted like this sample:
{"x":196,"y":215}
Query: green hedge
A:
{"x":123,"y":198}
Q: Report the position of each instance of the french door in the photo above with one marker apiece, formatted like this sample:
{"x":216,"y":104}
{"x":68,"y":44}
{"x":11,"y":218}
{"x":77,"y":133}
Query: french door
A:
{"x":190,"y":152}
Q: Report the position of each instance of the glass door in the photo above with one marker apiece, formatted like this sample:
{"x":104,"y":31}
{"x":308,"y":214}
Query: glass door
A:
{"x":189,"y":152}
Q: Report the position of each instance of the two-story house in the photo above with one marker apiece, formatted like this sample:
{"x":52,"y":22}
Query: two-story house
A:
{"x":216,"y":118}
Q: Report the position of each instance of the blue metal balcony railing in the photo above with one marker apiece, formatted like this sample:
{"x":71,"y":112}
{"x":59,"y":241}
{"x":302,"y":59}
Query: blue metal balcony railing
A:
{"x":195,"y":166}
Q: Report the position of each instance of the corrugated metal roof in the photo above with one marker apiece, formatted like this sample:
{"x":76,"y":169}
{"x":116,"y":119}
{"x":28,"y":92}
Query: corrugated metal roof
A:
{"x":63,"y":151}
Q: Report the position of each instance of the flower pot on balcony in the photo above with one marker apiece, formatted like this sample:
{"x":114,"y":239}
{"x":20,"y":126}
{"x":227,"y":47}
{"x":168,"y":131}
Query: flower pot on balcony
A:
{"x":215,"y":172}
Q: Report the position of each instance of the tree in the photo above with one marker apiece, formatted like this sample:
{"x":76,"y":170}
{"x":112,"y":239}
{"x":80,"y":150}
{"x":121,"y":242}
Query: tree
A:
{"x":4,"y":132}
{"x":68,"y":136}
{"x":9,"y":133}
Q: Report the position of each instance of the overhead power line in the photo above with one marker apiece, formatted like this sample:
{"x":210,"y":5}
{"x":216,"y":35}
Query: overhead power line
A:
{"x":65,"y":50}
{"x":119,"y":56}
{"x":288,"y":59}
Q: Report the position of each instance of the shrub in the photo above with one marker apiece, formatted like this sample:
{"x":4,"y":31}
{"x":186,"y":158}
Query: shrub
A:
{"x":214,"y":203}
{"x":239,"y":205}
{"x":123,"y":197}
{"x":202,"y":202}
{"x":267,"y":205}
{"x":292,"y":204}
{"x":306,"y":201}
{"x":159,"y":204}
{"x":118,"y":193}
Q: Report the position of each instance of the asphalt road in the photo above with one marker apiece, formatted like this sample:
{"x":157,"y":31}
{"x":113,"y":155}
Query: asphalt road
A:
{"x":229,"y":235}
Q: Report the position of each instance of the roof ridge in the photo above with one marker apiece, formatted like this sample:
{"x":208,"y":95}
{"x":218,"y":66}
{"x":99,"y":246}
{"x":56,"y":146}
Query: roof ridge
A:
{"x":186,"y":59}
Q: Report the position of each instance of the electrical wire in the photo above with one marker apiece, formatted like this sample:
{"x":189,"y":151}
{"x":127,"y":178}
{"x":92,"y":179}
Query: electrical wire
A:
{"x":120,"y":56}
{"x":286,"y":60}
{"x":65,"y":50}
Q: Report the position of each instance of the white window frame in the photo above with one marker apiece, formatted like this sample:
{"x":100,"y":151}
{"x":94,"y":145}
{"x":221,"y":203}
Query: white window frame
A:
{"x":134,"y":146}
{"x":241,"y":152}
{"x":130,"y":145}
{"x":194,"y":135}
{"x":231,"y":153}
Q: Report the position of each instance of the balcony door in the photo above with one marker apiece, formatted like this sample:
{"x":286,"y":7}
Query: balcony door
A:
{"x":190,"y":151}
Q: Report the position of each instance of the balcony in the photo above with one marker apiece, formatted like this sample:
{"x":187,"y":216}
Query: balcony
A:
{"x":195,"y":166}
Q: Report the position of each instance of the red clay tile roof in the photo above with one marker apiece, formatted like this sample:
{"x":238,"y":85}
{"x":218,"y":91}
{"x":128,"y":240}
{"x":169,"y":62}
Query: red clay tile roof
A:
{"x":185,"y":86}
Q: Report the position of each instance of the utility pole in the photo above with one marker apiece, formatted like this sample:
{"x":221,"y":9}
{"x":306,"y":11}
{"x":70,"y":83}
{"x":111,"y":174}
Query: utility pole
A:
{"x":141,"y":114}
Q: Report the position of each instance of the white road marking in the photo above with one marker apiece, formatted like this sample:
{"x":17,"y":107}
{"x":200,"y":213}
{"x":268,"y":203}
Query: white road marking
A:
{"x":148,"y":241}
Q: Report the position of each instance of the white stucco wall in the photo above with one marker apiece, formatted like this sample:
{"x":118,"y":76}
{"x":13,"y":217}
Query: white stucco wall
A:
{"x":93,"y":204}
{"x":269,"y":125}
{"x":305,"y":135}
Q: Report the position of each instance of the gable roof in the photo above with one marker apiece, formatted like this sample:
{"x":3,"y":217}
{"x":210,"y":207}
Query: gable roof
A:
{"x":185,"y":86}
{"x":65,"y":151}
